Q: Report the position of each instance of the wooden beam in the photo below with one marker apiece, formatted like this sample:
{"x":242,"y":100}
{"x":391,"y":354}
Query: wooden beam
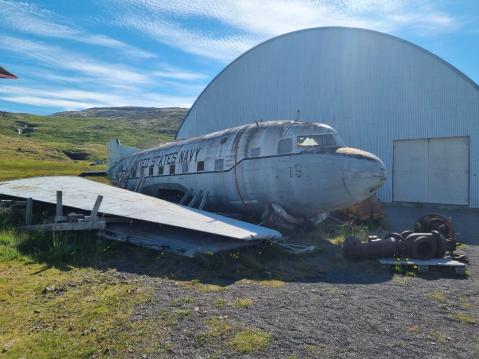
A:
{"x":29,"y":212}
{"x":59,"y":204}
{"x":96,"y":207}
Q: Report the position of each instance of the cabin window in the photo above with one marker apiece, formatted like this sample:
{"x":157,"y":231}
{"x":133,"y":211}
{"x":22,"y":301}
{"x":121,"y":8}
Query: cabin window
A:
{"x":200,"y":166}
{"x":160,"y":170}
{"x":255,"y":152}
{"x":316,"y":140}
{"x":151,"y":170}
{"x":172,"y":169}
{"x":132,"y":172}
{"x":219,"y":164}
{"x":285,"y":146}
{"x":184,"y":167}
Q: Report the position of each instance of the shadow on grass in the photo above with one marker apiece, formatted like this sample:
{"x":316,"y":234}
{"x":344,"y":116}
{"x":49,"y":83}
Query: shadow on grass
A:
{"x":262,"y":262}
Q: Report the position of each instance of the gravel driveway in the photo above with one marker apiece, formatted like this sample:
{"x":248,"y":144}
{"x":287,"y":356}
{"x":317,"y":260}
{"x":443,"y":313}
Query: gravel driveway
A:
{"x":314,"y":306}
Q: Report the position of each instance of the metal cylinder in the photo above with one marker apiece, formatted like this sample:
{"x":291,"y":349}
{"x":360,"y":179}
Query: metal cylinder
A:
{"x":353,"y":248}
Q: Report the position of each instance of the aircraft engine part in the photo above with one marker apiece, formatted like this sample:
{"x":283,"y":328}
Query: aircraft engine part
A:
{"x":431,"y":222}
{"x":375,"y":247}
{"x":408,"y":244}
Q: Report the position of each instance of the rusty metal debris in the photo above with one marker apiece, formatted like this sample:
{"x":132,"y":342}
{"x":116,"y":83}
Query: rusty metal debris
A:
{"x":432,"y":237}
{"x":369,"y":209}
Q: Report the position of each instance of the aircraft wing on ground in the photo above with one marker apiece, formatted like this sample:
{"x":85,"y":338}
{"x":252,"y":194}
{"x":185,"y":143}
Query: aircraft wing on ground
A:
{"x":81,"y":193}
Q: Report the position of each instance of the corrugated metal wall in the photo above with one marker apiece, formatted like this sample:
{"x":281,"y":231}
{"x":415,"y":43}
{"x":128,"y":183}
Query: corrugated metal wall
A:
{"x":373,"y":88}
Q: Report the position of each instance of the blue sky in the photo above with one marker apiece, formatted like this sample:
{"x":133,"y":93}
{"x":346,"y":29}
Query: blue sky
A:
{"x":72,"y":54}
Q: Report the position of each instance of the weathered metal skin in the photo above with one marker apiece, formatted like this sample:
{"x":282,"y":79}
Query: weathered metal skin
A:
{"x":244,"y":168}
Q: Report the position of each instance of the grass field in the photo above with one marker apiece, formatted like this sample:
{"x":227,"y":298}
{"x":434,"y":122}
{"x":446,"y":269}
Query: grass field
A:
{"x":53,"y":303}
{"x":49,"y":145}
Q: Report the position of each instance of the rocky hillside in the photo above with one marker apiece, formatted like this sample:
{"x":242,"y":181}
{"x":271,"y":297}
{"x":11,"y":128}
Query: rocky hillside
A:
{"x":165,"y":120}
{"x":70,"y":142}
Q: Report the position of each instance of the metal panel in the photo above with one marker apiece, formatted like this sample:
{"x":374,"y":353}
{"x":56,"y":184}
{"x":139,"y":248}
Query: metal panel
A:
{"x":371,"y":87}
{"x":449,"y":170}
{"x":81,"y":193}
{"x":410,"y":175}
{"x":432,"y":170}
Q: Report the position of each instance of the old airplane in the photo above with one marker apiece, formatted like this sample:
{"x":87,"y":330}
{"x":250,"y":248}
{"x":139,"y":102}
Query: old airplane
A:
{"x":286,"y":172}
{"x":292,"y":170}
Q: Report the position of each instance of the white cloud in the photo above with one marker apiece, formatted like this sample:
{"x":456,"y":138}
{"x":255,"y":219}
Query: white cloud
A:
{"x":196,"y":42}
{"x":56,"y":57}
{"x":28,"y":18}
{"x":72,"y":99}
{"x":171,"y":72}
{"x":252,"y":21}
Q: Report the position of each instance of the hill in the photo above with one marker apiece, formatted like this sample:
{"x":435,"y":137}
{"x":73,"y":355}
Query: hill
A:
{"x":69,"y":142}
{"x":165,"y":120}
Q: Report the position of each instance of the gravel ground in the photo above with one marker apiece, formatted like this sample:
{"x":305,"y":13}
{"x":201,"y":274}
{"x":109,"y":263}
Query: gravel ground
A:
{"x":339,"y":310}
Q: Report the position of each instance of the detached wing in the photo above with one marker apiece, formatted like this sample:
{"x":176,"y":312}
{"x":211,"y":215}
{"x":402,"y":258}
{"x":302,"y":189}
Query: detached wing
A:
{"x":81,"y":193}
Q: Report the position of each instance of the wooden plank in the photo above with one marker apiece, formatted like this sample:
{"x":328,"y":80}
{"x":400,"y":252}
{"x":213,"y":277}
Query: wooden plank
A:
{"x":96,"y":207}
{"x":424,"y":265}
{"x":442,"y":262}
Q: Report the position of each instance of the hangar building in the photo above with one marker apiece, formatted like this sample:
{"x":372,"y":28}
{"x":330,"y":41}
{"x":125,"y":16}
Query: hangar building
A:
{"x":385,"y":95}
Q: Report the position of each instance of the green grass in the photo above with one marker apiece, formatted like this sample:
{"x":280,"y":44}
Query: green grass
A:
{"x":43,"y":151}
{"x":53,"y":312}
{"x":220,"y":303}
{"x":183,"y":312}
{"x":250,"y":340}
{"x":243,"y":303}
{"x":272,"y":283}
{"x":53,"y":305}
{"x":337,"y":233}
{"x":437,"y":296}
{"x":463,"y":318}
{"x":217,"y":327}
{"x":437,"y":336}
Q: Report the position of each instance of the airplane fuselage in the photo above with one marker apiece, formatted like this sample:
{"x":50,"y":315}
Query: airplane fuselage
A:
{"x":304,"y":167}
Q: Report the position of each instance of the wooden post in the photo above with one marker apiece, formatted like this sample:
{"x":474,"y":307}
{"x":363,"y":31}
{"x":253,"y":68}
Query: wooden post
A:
{"x":96,"y":207}
{"x":59,"y":204}
{"x":29,"y":212}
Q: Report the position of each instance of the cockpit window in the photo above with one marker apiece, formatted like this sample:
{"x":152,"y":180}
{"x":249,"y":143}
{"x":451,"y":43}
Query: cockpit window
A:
{"x":316,"y":140}
{"x":285,"y":146}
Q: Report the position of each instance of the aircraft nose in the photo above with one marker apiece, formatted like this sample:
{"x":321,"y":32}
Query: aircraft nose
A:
{"x":364,"y":174}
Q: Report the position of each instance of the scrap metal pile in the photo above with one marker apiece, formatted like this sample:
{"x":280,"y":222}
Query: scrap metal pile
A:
{"x":432,"y":237}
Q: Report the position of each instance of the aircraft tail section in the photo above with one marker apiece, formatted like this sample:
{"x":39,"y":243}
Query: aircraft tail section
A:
{"x":116,"y":151}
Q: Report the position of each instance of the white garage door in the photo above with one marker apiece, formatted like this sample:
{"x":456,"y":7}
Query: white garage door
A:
{"x":434,"y":170}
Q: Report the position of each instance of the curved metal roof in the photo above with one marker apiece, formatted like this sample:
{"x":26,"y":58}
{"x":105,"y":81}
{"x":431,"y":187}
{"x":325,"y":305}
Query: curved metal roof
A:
{"x":320,"y":30}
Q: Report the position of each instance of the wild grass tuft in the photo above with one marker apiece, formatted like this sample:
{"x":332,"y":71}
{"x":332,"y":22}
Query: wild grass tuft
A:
{"x":243,"y":303}
{"x":437,"y":296}
{"x":463,"y":318}
{"x":272,"y":283}
{"x":250,"y":340}
{"x":437,"y":336}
